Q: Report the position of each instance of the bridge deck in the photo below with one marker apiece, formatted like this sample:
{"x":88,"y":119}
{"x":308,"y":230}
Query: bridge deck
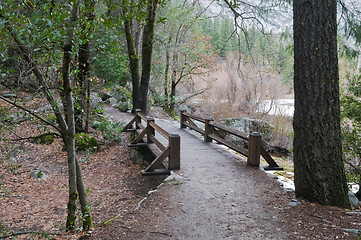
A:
{"x":219,"y":196}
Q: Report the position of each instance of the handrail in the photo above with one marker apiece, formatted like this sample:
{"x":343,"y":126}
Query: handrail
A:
{"x":211,"y":132}
{"x":146,"y":136}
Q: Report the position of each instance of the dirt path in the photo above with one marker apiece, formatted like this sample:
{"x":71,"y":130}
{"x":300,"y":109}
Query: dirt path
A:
{"x":217,"y":196}
{"x":214,"y":196}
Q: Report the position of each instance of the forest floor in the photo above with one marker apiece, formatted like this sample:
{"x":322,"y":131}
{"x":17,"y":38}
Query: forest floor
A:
{"x":123,"y":208}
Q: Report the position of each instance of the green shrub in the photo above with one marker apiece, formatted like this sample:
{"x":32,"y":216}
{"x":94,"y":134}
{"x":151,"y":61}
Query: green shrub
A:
{"x":111,"y":131}
{"x":86,"y":142}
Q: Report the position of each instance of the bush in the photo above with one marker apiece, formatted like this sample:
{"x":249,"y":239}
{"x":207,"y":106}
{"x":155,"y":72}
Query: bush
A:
{"x":86,"y":142}
{"x":111,"y":131}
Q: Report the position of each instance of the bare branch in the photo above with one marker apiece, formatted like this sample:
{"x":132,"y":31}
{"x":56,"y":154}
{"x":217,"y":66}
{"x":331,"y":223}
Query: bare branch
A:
{"x":31,"y":112}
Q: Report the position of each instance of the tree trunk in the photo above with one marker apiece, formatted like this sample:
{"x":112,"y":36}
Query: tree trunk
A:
{"x":83,"y":85}
{"x":133,"y":58}
{"x":69,"y":133}
{"x":73,"y":195}
{"x":319,"y":170}
{"x":82,"y":78}
{"x":173,"y":82}
{"x":147,"y":50}
{"x":84,"y":204}
{"x":166,"y":71}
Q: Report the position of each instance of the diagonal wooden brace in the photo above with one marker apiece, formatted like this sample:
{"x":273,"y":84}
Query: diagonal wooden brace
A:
{"x":156,"y":162}
{"x":129,"y":125}
{"x":141,"y":135}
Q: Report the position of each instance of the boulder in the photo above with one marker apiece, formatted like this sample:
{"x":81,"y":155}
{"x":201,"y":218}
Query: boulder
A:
{"x":123,"y":106}
{"x":104,"y":95}
{"x":353,"y":200}
{"x":248,"y":125}
{"x":38,"y":174}
{"x":112,"y":101}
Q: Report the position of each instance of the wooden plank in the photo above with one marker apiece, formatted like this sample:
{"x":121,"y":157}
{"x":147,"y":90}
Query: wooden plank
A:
{"x":155,"y":150}
{"x":229,"y":144}
{"x":129,"y":130}
{"x":254,"y":149}
{"x":157,"y":142}
{"x":126,"y":128}
{"x":142,"y":116}
{"x":229,"y":130}
{"x":194,"y":117}
{"x":153,"y":165}
{"x":137,"y":144}
{"x":194,"y":127}
{"x":163,"y":132}
{"x":162,"y":171}
{"x":174,"y":153}
{"x":141,"y":126}
{"x":268,"y":158}
{"x":140,"y":136}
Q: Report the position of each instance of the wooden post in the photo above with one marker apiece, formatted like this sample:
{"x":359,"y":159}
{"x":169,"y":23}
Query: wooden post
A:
{"x":151,"y":130}
{"x":174,"y":154}
{"x":183,"y":119}
{"x":254,"y":149}
{"x":137,"y":118}
{"x":208,"y":129}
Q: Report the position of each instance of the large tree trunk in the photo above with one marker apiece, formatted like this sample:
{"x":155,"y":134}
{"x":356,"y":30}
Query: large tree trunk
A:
{"x":147,"y":51}
{"x":319,"y":170}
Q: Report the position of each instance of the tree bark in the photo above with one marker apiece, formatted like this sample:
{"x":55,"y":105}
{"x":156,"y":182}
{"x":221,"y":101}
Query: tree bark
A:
{"x":147,"y":51}
{"x":84,"y":204}
{"x":83,"y":85}
{"x":133,"y":57}
{"x":166,"y":71}
{"x":319,"y":170}
{"x":70,"y":131}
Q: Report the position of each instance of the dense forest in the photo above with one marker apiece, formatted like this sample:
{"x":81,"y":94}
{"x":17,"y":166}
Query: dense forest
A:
{"x":212,"y":58}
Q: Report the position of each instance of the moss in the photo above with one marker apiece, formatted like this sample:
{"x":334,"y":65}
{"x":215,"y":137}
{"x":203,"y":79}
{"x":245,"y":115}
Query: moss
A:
{"x":70,"y":220}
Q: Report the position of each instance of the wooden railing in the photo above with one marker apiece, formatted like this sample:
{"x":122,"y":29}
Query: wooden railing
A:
{"x":146,"y":130}
{"x":211,"y":131}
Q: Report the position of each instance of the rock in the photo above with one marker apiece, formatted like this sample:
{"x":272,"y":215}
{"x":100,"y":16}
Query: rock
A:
{"x":141,"y":155}
{"x":112,"y":101}
{"x":104,"y":95}
{"x":120,"y":96}
{"x":123,"y":106}
{"x":354,"y":231}
{"x":12,"y":160}
{"x":294,"y":203}
{"x":38,"y":174}
{"x":173,"y":177}
{"x":247,"y":126}
{"x":353,"y":200}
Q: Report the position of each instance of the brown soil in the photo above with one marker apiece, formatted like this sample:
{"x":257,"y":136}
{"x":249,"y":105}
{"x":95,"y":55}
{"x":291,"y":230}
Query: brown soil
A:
{"x":119,"y":197}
